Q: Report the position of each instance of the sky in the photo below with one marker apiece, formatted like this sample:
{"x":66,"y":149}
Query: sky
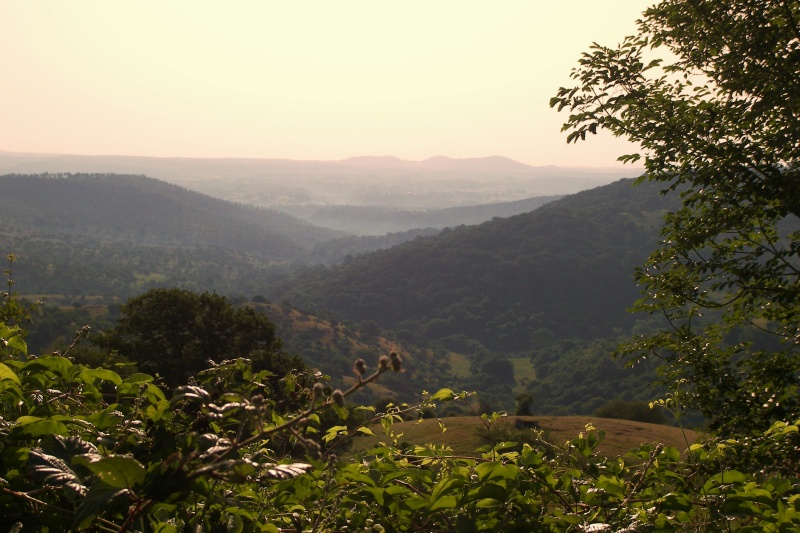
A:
{"x":306,"y":80}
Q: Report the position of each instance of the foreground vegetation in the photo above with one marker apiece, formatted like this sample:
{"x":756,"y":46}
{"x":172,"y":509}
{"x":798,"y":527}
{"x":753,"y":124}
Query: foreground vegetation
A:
{"x":230,"y":448}
{"x":85,"y":448}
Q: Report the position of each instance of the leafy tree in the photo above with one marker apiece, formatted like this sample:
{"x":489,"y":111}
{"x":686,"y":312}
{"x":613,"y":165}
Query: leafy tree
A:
{"x":717,"y":121}
{"x":174,"y":333}
{"x":524,"y":401}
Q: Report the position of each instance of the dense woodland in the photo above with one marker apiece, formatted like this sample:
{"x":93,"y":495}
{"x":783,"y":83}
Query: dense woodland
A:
{"x":565,"y":267}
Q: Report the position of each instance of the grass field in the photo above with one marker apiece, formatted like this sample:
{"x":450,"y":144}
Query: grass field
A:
{"x":524,"y":372}
{"x":461,"y":434}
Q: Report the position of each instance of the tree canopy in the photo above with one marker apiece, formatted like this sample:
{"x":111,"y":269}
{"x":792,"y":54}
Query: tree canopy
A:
{"x":174,"y":333}
{"x":710,"y":90}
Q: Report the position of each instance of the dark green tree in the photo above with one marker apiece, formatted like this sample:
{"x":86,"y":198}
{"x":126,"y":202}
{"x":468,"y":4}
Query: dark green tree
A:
{"x":631,"y":410}
{"x":718,"y":122}
{"x":524,"y":401}
{"x":175,"y":333}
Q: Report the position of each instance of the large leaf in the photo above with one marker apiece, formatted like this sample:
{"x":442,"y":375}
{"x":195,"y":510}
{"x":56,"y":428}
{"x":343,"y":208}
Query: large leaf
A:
{"x":442,"y":496}
{"x":7,"y":373}
{"x":443,"y":395}
{"x":31,"y":427}
{"x":91,"y":374}
{"x":106,"y":418}
{"x":50,"y":470}
{"x":67,"y":447}
{"x":100,"y":498}
{"x":115,"y":471}
{"x":55,"y":364}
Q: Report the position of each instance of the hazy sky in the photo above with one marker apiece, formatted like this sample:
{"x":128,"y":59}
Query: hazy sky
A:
{"x":300,"y":79}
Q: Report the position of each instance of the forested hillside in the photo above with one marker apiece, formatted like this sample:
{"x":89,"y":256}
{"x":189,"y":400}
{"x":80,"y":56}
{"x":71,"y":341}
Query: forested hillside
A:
{"x":117,"y":235}
{"x":142,"y":210}
{"x":565,"y":268}
{"x":544,"y":290}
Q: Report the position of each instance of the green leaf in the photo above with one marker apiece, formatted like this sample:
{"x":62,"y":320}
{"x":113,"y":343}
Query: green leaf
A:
{"x":100,"y":498}
{"x":365,"y":430}
{"x":358,"y":477}
{"x":115,"y":471}
{"x":488,"y":491}
{"x":138,"y":377}
{"x":91,"y":374}
{"x":32,"y":427}
{"x":611,"y":485}
{"x":443,"y":502}
{"x":727,"y":477}
{"x":415,"y":503}
{"x":442,"y":497}
{"x":106,"y":418}
{"x":234,"y":524}
{"x":676,"y":502}
{"x":157,"y":410}
{"x":8,"y":374}
{"x":494,"y":470}
{"x":444,"y":395}
{"x":55,"y":364}
{"x":334,"y":432}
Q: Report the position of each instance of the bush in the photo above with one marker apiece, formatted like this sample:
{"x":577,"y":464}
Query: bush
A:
{"x":632,"y":410}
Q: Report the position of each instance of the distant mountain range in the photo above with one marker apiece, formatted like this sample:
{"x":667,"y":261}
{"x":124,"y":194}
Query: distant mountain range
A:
{"x":387,"y":182}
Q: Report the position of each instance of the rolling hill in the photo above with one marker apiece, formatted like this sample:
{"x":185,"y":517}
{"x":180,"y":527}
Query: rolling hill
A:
{"x":146,"y":211}
{"x":535,"y":303}
{"x":530,"y":303}
{"x":120,"y":234}
{"x":565,"y":268}
{"x":462,"y":433}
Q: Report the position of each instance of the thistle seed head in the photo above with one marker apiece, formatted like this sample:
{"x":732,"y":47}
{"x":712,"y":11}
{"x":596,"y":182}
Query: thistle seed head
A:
{"x":338,"y":397}
{"x":360,"y":367}
{"x":318,"y":391}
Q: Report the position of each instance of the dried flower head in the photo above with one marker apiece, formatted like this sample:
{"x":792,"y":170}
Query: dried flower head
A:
{"x":384,"y":362}
{"x":396,"y":361}
{"x":360,"y":367}
{"x":318,"y":391}
{"x":338,"y":397}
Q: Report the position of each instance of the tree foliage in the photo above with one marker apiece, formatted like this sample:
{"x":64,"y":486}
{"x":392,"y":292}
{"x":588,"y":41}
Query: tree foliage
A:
{"x":716,"y":117}
{"x":174,"y":333}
